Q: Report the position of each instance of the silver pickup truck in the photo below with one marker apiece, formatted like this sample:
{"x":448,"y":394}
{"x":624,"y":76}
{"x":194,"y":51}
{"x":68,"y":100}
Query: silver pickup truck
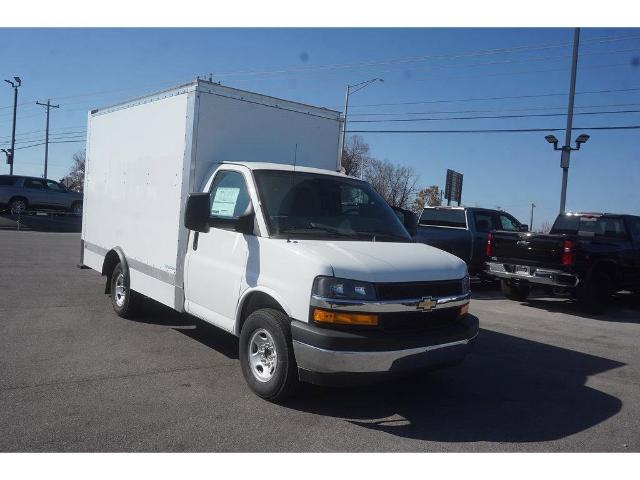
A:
{"x":19,"y":194}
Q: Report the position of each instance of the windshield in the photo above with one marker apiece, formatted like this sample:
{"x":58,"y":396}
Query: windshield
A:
{"x":443,"y":217}
{"x":590,"y":226}
{"x":309,"y":205}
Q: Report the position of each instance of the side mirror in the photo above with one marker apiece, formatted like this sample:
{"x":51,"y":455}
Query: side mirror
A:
{"x":408,"y":219}
{"x":524,"y":228}
{"x":246,"y":221}
{"x":196,"y":213}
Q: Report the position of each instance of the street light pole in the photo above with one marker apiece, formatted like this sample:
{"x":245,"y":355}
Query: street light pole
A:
{"x":46,"y":135}
{"x":15,"y":86}
{"x":533,"y":205}
{"x":351,"y":89}
{"x":566,"y":149}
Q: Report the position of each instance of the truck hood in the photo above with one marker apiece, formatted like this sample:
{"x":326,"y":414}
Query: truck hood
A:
{"x":386,"y":261}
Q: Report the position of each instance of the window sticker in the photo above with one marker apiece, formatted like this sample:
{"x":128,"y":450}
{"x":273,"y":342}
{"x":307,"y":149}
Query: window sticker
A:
{"x":224,"y":203}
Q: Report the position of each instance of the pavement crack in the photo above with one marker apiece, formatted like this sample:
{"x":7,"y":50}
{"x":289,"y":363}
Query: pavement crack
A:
{"x":113,"y":377}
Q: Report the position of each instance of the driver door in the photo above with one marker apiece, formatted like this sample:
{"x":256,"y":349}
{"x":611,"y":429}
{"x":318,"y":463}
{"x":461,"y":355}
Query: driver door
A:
{"x":216,"y":260}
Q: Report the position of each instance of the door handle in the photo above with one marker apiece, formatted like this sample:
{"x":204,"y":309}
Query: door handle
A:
{"x":196,"y":235}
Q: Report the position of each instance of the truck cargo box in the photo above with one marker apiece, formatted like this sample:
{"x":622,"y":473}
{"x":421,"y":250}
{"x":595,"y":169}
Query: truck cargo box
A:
{"x":144,"y":157}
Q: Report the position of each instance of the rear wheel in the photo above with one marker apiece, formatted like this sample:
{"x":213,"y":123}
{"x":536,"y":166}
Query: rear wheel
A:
{"x":595,"y":295}
{"x":124,"y":300}
{"x":514,"y":291}
{"x":266,"y":355}
{"x":17,"y":206}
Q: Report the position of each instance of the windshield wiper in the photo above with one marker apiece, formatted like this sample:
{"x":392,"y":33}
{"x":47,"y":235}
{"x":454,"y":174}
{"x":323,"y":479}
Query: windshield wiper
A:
{"x":332,"y":231}
{"x":377,"y":235}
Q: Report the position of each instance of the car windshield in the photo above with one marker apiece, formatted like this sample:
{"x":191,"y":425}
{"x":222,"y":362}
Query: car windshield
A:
{"x":310,"y":205}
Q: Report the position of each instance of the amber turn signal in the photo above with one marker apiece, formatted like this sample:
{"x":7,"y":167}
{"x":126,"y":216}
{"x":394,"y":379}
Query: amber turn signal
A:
{"x":464,"y":309}
{"x":343,"y":318}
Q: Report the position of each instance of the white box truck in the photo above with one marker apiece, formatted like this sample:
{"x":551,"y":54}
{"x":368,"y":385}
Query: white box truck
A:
{"x":229,"y":205}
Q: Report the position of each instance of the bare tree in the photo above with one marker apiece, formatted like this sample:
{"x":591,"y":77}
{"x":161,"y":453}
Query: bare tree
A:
{"x":74,"y":180}
{"x":355,"y":155}
{"x":395,"y":183}
{"x":545,"y":227}
{"x":429,"y":196}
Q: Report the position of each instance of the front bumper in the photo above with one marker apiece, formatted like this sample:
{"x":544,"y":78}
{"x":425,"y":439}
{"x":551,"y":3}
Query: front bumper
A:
{"x":540,"y":276}
{"x":327,"y":356}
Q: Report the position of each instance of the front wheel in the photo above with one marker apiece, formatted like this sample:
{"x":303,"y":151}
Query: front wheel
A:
{"x":513,"y":291}
{"x":266,"y":355}
{"x":17,"y":206}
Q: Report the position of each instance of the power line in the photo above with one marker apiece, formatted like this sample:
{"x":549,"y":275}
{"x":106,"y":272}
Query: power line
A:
{"x":500,"y":130}
{"x":439,"y":112}
{"x":485,"y":117}
{"x":42,"y":143}
{"x":509,"y":97}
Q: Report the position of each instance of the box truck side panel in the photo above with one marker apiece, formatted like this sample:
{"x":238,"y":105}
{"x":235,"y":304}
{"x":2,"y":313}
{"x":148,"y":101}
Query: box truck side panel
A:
{"x":255,"y":129}
{"x":133,"y":190}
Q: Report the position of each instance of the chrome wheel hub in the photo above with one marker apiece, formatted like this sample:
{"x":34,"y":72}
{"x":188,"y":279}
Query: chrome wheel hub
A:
{"x":120,"y":290}
{"x":263,"y":356}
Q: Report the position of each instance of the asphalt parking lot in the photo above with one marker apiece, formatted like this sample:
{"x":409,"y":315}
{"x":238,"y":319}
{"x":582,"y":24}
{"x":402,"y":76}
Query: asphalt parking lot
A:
{"x":75,"y":377}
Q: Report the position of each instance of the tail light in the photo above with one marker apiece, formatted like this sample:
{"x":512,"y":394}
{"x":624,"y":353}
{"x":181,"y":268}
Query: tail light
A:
{"x":489,"y":238}
{"x":568,"y":256}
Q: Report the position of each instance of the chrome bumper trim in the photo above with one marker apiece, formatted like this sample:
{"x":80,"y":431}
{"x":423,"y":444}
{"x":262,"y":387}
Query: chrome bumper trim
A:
{"x":320,"y":360}
{"x":541,"y":276}
{"x":389,"y":306}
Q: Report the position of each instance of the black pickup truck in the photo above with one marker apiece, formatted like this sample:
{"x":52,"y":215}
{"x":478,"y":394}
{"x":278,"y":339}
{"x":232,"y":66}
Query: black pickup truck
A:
{"x":463,"y":231}
{"x":587,"y":255}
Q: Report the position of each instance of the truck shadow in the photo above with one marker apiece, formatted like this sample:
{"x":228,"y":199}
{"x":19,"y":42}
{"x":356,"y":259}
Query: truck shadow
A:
{"x":155,"y":313}
{"x":624,"y":308}
{"x":509,"y":390}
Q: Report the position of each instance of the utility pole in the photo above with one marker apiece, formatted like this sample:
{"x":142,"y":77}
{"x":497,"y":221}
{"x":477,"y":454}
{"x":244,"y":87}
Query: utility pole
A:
{"x":533,"y":205}
{"x":46,"y":135}
{"x":11,"y":154}
{"x":566,"y":149}
{"x":351,"y":89}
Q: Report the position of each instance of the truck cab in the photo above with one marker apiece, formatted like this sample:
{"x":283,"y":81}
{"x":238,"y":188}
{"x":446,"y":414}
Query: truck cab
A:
{"x":319,"y":258}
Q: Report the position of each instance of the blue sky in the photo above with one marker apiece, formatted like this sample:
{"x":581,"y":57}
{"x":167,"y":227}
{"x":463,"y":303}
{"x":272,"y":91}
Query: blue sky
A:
{"x":442,"y":68}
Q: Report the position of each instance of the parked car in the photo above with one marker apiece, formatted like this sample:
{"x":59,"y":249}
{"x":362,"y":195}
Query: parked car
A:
{"x":19,"y":194}
{"x":587,"y":255}
{"x":463,"y":231}
{"x":309,"y":268}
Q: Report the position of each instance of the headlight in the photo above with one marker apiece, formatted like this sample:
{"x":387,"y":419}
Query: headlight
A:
{"x":343,"y":289}
{"x":466,"y":284}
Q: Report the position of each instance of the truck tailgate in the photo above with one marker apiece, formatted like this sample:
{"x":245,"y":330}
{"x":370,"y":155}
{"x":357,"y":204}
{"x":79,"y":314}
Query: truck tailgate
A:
{"x":456,"y":241}
{"x":526,"y":248}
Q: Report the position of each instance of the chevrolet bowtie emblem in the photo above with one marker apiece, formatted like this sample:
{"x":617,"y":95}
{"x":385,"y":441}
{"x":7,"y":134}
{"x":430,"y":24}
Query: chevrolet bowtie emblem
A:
{"x":427,"y":303}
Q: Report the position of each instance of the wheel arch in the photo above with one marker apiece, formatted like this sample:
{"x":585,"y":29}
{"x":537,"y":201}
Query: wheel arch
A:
{"x":111,"y":259}
{"x":607,"y":266}
{"x":255,"y":299}
{"x":18,"y":197}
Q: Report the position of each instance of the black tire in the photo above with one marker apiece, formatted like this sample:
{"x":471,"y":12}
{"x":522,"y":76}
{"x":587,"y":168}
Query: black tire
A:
{"x":124,"y":300}
{"x":76,"y":207}
{"x":18,"y":205}
{"x":284,"y":378}
{"x":517,"y":292}
{"x":596,"y":294}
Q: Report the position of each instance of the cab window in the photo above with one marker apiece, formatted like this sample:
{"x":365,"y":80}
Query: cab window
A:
{"x":34,"y":184}
{"x":508,"y":223}
{"x":229,"y":195}
{"x":54,"y":186}
{"x":485,"y":222}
